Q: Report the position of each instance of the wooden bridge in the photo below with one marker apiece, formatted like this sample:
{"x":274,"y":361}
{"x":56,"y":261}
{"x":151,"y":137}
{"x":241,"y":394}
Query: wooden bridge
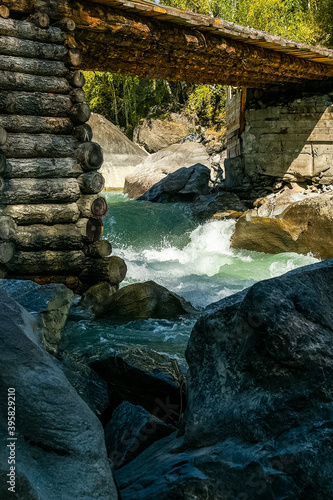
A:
{"x":149,"y":40}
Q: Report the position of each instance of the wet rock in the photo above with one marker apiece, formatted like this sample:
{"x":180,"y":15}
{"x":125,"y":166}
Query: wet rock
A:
{"x":49,"y":304}
{"x":182,"y":185}
{"x":121,"y":155}
{"x":60,"y":447}
{"x":146,"y":378}
{"x":143,"y":301}
{"x":98,"y":297}
{"x":305,"y":226}
{"x":132,"y":430}
{"x":260,"y":400}
{"x":88,"y":384}
{"x":206,"y":206}
{"x":158,"y":165}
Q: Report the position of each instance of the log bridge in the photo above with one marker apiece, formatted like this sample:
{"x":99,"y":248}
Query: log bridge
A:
{"x":50,"y":207}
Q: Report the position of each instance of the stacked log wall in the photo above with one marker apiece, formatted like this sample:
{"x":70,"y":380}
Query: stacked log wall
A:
{"x":50,"y":207}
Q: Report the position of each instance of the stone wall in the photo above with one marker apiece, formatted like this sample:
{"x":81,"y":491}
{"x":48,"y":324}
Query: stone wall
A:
{"x":288,"y":136}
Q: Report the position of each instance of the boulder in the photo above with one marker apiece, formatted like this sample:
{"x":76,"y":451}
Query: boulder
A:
{"x":121,"y":155}
{"x":88,"y":384}
{"x":143,"y":301}
{"x":146,"y":378}
{"x":98,"y":297}
{"x":154,"y":134}
{"x":275,"y":204}
{"x":182,"y":185}
{"x":131,"y":430}
{"x":305,"y":226}
{"x":49,"y":304}
{"x":205,"y":207}
{"x":158,"y":165}
{"x":260,"y":400}
{"x":59,"y":447}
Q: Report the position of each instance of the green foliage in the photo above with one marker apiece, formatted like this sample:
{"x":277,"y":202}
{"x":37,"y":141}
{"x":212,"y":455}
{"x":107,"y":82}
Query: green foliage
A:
{"x":207,"y":103}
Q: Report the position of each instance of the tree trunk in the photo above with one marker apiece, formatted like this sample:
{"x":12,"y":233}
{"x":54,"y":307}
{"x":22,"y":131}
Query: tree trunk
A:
{"x":7,"y":250}
{"x":64,"y":213}
{"x":92,"y":205}
{"x":7,"y":228}
{"x":3,"y":136}
{"x":40,"y":19}
{"x":39,"y":168}
{"x":4,"y":11}
{"x":32,"y":83}
{"x":76,"y":78}
{"x":36,"y":124}
{"x":39,"y":145}
{"x":32,"y":103}
{"x":48,"y":262}
{"x":33,"y":66}
{"x":25,"y":48}
{"x":22,"y":191}
{"x":89,"y":155}
{"x":91,"y":228}
{"x":91,"y":182}
{"x":73,"y":57}
{"x":77,"y":95}
{"x":111,"y":269}
{"x":27,"y":31}
{"x":99,"y":249}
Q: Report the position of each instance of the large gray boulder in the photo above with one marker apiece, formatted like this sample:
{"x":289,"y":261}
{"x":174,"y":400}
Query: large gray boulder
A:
{"x":158,"y":165}
{"x":260,"y":400}
{"x":59,"y":446}
{"x":121,"y":155}
{"x":182,"y":185}
{"x":49,"y":304}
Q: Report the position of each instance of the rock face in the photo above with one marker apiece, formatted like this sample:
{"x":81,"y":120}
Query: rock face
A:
{"x":158,"y":165}
{"x":60,"y":447}
{"x":305,"y":226}
{"x":155,"y":134}
{"x":145,"y":300}
{"x":146,"y":378}
{"x":260,"y":400}
{"x":131,"y":430}
{"x":50,"y":304}
{"x":206,"y":206}
{"x":182,"y":185}
{"x":120,"y":154}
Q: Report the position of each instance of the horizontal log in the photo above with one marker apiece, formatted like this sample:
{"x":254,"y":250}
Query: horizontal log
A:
{"x":7,"y":228}
{"x":2,"y":161}
{"x":72,"y":282}
{"x":33,"y":103}
{"x":36,"y":124}
{"x":47,"y":261}
{"x":89,"y":155}
{"x":77,"y":95}
{"x":111,"y":269}
{"x":99,"y":249}
{"x":3,"y":136}
{"x":83,"y":133}
{"x":70,"y":42}
{"x":25,"y":48}
{"x":39,"y":168}
{"x":56,"y":237}
{"x":27,"y":31}
{"x":91,"y":228}
{"x":3,"y":272}
{"x":22,"y":191}
{"x":7,"y":250}
{"x":39,"y":19}
{"x":76,"y":78}
{"x":39,"y":145}
{"x":4,"y":11}
{"x":73,"y":58}
{"x":63,"y":213}
{"x":92,"y":205}
{"x":33,"y":66}
{"x":80,"y":113}
{"x":67,"y":25}
{"x":91,"y":182}
{"x":32,"y":83}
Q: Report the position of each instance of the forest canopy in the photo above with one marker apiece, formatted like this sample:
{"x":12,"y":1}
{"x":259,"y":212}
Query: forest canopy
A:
{"x":125,"y":100}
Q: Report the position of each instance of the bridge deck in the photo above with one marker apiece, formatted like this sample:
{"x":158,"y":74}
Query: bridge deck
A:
{"x":150,"y":40}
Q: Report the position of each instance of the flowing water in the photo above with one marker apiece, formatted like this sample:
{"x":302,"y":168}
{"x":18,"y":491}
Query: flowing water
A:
{"x":164,"y":243}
